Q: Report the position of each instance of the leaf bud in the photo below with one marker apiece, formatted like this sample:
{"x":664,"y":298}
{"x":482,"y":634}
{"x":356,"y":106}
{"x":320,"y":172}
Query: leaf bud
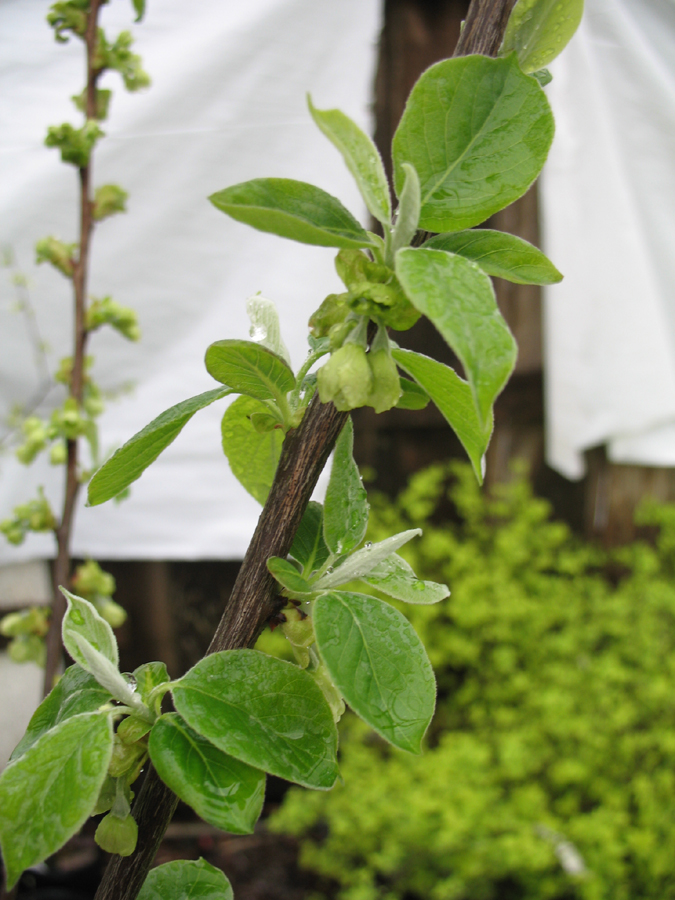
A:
{"x":125,"y":757}
{"x":115,"y":835}
{"x":75,"y":144}
{"x":298,"y":627}
{"x":54,"y":251}
{"x":108,"y":200}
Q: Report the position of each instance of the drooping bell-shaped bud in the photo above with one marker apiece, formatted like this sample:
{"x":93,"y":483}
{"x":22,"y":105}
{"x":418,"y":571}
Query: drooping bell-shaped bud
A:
{"x":386,"y":389}
{"x":115,"y":835}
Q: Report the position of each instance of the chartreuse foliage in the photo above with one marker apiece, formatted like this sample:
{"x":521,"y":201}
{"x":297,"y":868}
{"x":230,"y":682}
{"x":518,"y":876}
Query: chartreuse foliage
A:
{"x":473,"y":137}
{"x":551,"y":767}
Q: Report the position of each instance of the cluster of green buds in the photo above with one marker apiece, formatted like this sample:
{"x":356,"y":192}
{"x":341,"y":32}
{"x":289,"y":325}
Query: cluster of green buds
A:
{"x":355,"y":376}
{"x":57,"y":253}
{"x":27,"y":630}
{"x":33,"y":516}
{"x":93,"y":584}
{"x":117,"y":832}
{"x":108,"y":312}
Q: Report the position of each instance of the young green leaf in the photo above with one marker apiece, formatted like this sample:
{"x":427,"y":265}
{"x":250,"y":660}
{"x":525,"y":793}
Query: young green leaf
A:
{"x":413,"y":396}
{"x":263,"y":711}
{"x":76,"y":692}
{"x":363,"y":561}
{"x":361,"y":156}
{"x":292,"y":209}
{"x":459,"y":299}
{"x":345,"y":512}
{"x":499,"y":254}
{"x":265,"y":328}
{"x":288,"y":576}
{"x":538,"y":30}
{"x":477,"y":130}
{"x":253,"y":457}
{"x":186,"y":879}
{"x":47,"y":794}
{"x":408,"y":214}
{"x":309,"y":546}
{"x":393,"y":576}
{"x":249,"y":368}
{"x":130,"y":461}
{"x":453,"y":397}
{"x":222,"y":790}
{"x":82,"y":619}
{"x":148,"y":677}
{"x":378,"y":663}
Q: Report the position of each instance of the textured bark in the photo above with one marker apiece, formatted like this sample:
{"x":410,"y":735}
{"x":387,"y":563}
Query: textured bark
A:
{"x":304,"y":455}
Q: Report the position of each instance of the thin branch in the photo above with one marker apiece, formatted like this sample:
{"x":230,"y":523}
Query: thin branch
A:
{"x":303,"y":457}
{"x":61,"y":573}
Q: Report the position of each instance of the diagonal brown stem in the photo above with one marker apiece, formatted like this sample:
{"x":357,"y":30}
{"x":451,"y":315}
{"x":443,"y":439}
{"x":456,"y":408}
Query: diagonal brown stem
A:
{"x":304,"y":454}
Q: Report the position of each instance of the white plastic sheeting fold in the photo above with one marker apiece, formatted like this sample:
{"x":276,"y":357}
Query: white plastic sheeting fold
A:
{"x":608,"y":204}
{"x":227,"y":104}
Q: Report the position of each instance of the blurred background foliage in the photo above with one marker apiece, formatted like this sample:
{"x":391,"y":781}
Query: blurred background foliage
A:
{"x":550,"y":767}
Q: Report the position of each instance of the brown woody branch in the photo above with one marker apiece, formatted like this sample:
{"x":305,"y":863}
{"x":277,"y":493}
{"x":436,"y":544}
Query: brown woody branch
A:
{"x":304,"y":454}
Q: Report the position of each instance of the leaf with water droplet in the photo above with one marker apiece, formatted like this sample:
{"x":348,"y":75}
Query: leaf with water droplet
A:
{"x":82,"y":619}
{"x":264,"y":711}
{"x":249,"y":368}
{"x":345,"y":514}
{"x":265,"y":327}
{"x":363,"y":561}
{"x":394,"y":577}
{"x":378,"y":663}
{"x":538,"y":30}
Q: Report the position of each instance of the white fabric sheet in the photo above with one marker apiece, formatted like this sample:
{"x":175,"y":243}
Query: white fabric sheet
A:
{"x":608,"y":204}
{"x":227,"y":104}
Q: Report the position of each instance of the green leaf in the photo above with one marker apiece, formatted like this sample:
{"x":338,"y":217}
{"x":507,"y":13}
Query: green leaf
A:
{"x":413,"y":396}
{"x":453,"y":397}
{"x":408,"y":214}
{"x":82,"y":619}
{"x":184,"y":879}
{"x":139,"y":9}
{"x":499,"y":254}
{"x":309,"y":546}
{"x":477,"y":130}
{"x":345,"y":511}
{"x":288,"y":576}
{"x":394,"y":577}
{"x":378,"y":663}
{"x":222,"y":790}
{"x":249,"y":368}
{"x":459,"y":299}
{"x":76,"y":692}
{"x":130,"y":461}
{"x":47,"y":794}
{"x":292,"y":209}
{"x":253,"y":457}
{"x":363,"y":561}
{"x":148,"y":677}
{"x":538,"y":30}
{"x":361,"y":156}
{"x":263,"y":711}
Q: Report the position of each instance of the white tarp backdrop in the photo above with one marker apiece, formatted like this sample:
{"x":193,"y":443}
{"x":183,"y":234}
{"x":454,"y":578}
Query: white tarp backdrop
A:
{"x":227,"y":104}
{"x":608,"y":210}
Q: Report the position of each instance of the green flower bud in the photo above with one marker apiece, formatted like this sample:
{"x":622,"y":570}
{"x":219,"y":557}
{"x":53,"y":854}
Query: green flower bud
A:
{"x":386,"y":389}
{"x":58,"y":455}
{"x":298,"y":627}
{"x":91,"y":581}
{"x":346,"y":378}
{"x":13,"y":531}
{"x":112,"y":612}
{"x":75,"y":144}
{"x":108,"y":312}
{"x":332,"y":311}
{"x":27,"y":648}
{"x":125,"y":757}
{"x":115,"y":835}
